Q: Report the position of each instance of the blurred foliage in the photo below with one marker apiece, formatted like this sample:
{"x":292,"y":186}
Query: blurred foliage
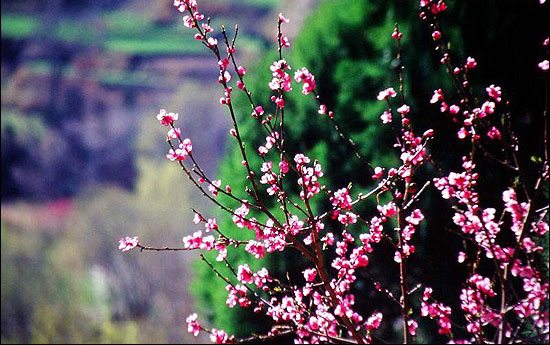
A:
{"x":127,"y":78}
{"x":259,"y":3}
{"x":70,"y":284}
{"x":44,"y":302}
{"x":71,"y":126}
{"x":29,"y":127}
{"x":150,"y":46}
{"x":18,"y":26}
{"x":118,"y":32}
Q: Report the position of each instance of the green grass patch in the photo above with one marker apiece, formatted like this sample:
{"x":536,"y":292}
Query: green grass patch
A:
{"x":124,"y":78}
{"x":17,"y":26}
{"x":256,"y":3}
{"x":152,"y":47}
{"x":73,"y":31}
{"x":23,"y":126}
{"x":124,"y":22}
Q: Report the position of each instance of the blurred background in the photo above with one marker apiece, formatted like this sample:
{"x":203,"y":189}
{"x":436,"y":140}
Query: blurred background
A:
{"x":83,"y":154}
{"x":83,"y":161}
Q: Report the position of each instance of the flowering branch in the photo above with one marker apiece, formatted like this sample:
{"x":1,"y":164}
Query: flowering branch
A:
{"x":321,"y":308}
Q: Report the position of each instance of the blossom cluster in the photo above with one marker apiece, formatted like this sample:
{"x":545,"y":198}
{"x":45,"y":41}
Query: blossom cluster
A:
{"x":340,"y":243}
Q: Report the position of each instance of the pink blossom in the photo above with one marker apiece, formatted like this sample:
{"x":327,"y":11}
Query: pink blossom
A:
{"x":396,"y":35}
{"x":488,"y":107}
{"x":261,"y":277}
{"x":193,"y":326}
{"x":470,"y":63}
{"x":388,"y":210}
{"x":482,"y":284}
{"x":494,"y":92}
{"x":279,"y":101}
{"x":223,"y":63}
{"x":413,"y":325}
{"x":310,"y":274}
{"x":378,"y":172}
{"x":328,"y":239}
{"x":437,"y":7}
{"x":463,"y":133}
{"x":219,"y":336}
{"x":444,"y":324}
{"x":240,"y":213}
{"x":428,"y":133}
{"x":188,"y":22}
{"x":181,"y":153}
{"x":285,"y":42}
{"x":197,"y":218}
{"x":282,"y":19}
{"x":224,"y":77}
{"x":258,"y":111}
{"x":494,"y":133}
{"x":222,"y":253}
{"x":386,"y":117}
{"x":244,"y":274}
{"x":283,"y":166}
{"x":211,"y":225}
{"x":543,"y":65}
{"x":262,"y":150}
{"x":530,"y":246}
{"x":181,"y":5}
{"x":385,"y":94}
{"x":165,"y":118}
{"x":174,"y":133}
{"x":322,"y":109}
{"x":206,"y":28}
{"x":415,"y":217}
{"x":436,"y":35}
{"x":214,"y":187}
{"x":281,"y":79}
{"x":404,"y":109}
{"x":308,"y":79}
{"x":257,"y":249}
{"x":437,"y":96}
{"x":198,"y":16}
{"x":348,"y":218}
{"x":128,"y":243}
{"x":309,"y":176}
{"x":212,"y":41}
{"x":540,"y":228}
{"x":374,"y":321}
{"x":236,"y":294}
{"x":196,"y":241}
{"x":341,"y":199}
{"x":226,"y":99}
{"x":454,"y":109}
